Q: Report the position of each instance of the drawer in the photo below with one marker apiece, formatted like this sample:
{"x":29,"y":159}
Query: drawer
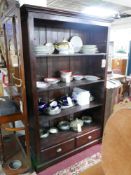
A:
{"x":57,"y":150}
{"x":88,"y":137}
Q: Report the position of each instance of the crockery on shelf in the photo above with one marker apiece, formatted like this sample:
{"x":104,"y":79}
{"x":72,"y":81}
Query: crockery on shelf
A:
{"x":76,"y":125}
{"x":64,"y":125}
{"x":53,"y":130}
{"x":87,"y":119}
{"x":41,"y":84}
{"x":65,"y":102}
{"x":64,"y":47}
{"x":76,"y":43}
{"x":78,"y":77}
{"x":51,"y":80}
{"x":44,"y":133}
{"x":91,"y":77}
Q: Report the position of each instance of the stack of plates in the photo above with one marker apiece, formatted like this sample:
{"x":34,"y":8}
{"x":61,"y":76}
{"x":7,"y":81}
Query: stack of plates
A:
{"x":44,"y":49}
{"x":89,"y":49}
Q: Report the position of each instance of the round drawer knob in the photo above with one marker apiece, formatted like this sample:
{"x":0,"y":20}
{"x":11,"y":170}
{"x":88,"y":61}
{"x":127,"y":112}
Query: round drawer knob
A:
{"x":89,"y":137}
{"x":59,"y":150}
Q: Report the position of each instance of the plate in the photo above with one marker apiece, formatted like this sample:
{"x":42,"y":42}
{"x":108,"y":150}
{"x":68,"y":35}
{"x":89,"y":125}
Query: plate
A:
{"x":76,"y":43}
{"x":41,"y":84}
{"x":91,"y":77}
{"x":51,"y":80}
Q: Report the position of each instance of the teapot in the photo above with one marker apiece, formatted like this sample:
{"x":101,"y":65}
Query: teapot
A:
{"x":64,"y":47}
{"x":76,"y":125}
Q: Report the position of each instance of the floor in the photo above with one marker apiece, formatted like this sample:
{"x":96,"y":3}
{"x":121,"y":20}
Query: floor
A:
{"x":71,"y":160}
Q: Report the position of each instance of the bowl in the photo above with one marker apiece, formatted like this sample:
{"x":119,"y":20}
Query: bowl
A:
{"x":66,"y":73}
{"x":41,"y":84}
{"x":77,"y":77}
{"x":64,"y":125}
{"x":44,"y":133}
{"x":53,"y":130}
{"x":87,"y":119}
{"x":15,"y":164}
{"x":54,"y":111}
{"x":51,"y":80}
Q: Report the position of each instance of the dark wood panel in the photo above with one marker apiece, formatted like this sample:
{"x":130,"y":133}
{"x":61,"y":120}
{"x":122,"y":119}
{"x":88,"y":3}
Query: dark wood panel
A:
{"x":57,"y":150}
{"x":62,"y":136}
{"x":88,"y":137}
{"x":69,"y":111}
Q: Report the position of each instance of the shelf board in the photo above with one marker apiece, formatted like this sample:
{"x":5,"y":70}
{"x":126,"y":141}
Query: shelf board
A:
{"x":61,"y":136}
{"x":70,"y":55}
{"x":65,"y":85}
{"x":11,"y":118}
{"x":72,"y":110}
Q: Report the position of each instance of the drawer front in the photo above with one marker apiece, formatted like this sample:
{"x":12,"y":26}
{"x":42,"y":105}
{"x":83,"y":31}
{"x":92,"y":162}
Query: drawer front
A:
{"x":57,"y":150}
{"x":87,"y":138}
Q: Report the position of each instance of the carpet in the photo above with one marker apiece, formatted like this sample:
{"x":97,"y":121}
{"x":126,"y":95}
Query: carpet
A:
{"x":80,"y":166}
{"x":71,"y":161}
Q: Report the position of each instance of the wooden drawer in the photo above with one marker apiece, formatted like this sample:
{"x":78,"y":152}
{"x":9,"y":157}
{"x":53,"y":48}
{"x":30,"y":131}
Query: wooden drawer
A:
{"x":57,"y":150}
{"x":88,"y":137}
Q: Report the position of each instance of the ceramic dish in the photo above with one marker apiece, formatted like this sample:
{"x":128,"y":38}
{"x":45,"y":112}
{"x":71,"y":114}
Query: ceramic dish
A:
{"x":51,"y":80}
{"x":64,"y":125}
{"x":87,"y":119}
{"x":15,"y":164}
{"x":78,"y":77}
{"x":44,"y":133}
{"x":41,"y":84}
{"x":53,"y":111}
{"x":53,"y":130}
{"x":91,"y":77}
{"x":76,"y":43}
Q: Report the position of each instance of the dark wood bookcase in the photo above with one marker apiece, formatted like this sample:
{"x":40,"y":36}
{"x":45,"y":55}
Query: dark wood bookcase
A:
{"x":39,"y":26}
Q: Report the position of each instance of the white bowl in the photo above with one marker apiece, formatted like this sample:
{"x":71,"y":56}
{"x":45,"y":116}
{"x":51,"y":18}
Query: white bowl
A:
{"x":53,"y":130}
{"x":41,"y":84}
{"x":54,"y":111}
{"x":78,"y":77}
{"x":15,"y":164}
{"x":51,"y":80}
{"x":65,"y":73}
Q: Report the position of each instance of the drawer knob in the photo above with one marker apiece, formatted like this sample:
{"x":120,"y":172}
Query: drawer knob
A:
{"x":59,"y":150}
{"x":89,"y":137}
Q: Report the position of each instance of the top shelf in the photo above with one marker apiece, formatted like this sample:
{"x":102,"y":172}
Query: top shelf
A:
{"x":71,"y":55}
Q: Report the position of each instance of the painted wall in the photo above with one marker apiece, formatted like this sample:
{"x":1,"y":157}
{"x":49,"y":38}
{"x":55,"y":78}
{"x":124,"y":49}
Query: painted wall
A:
{"x":34,"y":2}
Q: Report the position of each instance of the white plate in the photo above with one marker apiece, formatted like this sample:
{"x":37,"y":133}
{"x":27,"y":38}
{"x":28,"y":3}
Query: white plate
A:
{"x":41,"y":84}
{"x":76,"y":43}
{"x":51,"y":80}
{"x":91,"y":77}
{"x":53,"y":130}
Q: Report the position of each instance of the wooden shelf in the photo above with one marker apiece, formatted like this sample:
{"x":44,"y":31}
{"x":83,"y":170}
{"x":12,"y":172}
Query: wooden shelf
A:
{"x":11,"y":118}
{"x":73,"y":83}
{"x":70,"y":55}
{"x":69,"y":111}
{"x":61,"y":136}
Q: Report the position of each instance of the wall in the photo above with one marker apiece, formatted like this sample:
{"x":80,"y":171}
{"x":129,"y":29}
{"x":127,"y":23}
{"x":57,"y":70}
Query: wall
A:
{"x":34,"y":2}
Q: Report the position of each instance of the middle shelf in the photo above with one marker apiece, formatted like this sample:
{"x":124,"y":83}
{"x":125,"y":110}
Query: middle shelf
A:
{"x":69,"y":111}
{"x":71,"y":84}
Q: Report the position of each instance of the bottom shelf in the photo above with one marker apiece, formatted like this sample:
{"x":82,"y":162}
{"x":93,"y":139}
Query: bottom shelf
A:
{"x":64,"y":144}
